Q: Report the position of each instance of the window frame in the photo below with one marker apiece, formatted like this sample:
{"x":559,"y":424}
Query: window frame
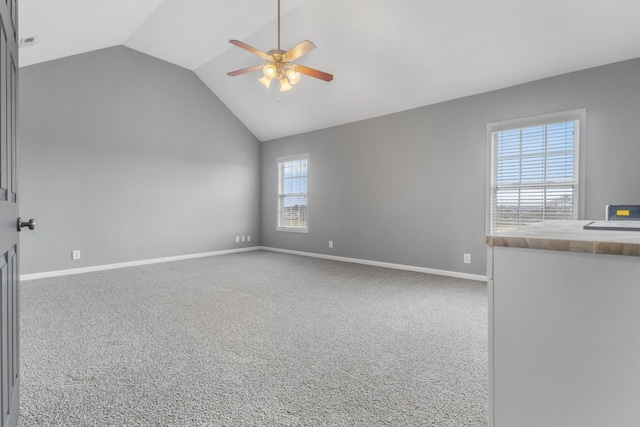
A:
{"x":579,"y":115}
{"x":280,"y":161}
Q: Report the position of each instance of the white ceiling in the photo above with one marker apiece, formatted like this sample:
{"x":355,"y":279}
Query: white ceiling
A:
{"x":386,"y":55}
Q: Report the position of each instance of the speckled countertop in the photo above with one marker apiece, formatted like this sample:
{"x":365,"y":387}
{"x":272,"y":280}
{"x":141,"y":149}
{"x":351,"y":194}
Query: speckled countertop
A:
{"x":569,"y":236}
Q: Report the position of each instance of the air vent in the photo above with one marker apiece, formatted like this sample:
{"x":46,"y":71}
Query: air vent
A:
{"x":28,"y":41}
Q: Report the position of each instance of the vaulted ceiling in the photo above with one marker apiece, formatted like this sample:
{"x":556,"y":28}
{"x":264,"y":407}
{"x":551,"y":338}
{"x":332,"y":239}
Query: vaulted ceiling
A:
{"x":386,"y":55}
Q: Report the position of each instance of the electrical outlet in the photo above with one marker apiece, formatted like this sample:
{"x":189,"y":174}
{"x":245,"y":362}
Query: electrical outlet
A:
{"x":75,"y":254}
{"x":237,"y":239}
{"x":467,"y":258}
{"x":243,"y":238}
{"x":249,"y":238}
{"x":330,"y":244}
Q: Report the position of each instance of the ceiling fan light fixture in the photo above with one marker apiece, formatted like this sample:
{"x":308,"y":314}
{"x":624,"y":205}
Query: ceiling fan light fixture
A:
{"x":266,"y":81}
{"x":284,"y":85}
{"x":269,"y":70}
{"x":293,"y":76}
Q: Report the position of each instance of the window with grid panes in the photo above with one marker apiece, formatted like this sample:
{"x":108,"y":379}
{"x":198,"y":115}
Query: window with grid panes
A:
{"x":293,"y":208}
{"x":534,"y":171}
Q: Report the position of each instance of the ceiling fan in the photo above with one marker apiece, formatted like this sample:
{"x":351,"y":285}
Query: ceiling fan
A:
{"x":279,"y":64}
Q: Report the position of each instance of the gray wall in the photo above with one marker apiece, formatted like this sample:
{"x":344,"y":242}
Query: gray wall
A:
{"x":127,"y":157}
{"x":410,"y":188}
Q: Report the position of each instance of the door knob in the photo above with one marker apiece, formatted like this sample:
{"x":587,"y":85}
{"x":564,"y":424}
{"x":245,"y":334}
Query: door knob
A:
{"x":31,"y":224}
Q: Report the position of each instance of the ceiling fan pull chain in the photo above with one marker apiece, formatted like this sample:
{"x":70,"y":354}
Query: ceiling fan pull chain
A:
{"x":278,"y":91}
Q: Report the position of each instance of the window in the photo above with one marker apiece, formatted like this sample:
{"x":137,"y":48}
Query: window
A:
{"x":535,"y":170}
{"x":293,"y":214}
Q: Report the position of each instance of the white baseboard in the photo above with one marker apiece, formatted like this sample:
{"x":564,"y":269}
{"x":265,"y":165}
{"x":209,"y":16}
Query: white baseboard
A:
{"x":383,"y":264}
{"x":25,"y":277}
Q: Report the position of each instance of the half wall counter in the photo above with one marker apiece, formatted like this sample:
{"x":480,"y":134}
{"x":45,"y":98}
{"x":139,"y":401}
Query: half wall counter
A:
{"x":564,"y":326}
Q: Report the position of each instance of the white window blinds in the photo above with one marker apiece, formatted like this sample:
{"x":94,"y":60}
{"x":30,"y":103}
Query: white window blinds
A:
{"x":534,"y":174}
{"x":293,"y":214}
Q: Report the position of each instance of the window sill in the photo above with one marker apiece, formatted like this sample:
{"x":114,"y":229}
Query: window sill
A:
{"x":292,"y":229}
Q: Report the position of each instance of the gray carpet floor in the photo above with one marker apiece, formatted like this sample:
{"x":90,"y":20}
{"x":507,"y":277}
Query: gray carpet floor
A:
{"x":254,"y":339}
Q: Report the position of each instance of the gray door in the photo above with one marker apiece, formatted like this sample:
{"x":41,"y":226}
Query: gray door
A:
{"x":9,"y":331}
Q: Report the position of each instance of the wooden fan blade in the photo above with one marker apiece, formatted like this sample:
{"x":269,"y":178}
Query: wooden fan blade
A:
{"x":313,"y":72}
{"x":251,"y":49}
{"x":245,"y":70}
{"x":298,"y":50}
